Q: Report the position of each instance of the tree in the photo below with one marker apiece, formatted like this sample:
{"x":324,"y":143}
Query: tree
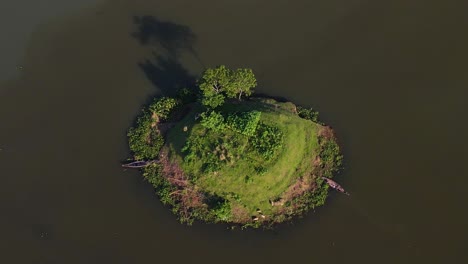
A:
{"x":242,"y":83}
{"x":217,"y":83}
{"x":213,"y":82}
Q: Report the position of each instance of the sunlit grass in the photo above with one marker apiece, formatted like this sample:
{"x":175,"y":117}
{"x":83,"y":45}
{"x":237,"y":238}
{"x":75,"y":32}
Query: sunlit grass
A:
{"x":241,"y":180}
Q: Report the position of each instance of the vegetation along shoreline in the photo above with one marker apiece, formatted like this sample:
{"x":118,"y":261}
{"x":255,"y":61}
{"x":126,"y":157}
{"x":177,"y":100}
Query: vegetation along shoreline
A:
{"x":216,"y":154}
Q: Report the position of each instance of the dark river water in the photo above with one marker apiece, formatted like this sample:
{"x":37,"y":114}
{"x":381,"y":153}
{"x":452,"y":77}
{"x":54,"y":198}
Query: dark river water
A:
{"x":389,"y":76}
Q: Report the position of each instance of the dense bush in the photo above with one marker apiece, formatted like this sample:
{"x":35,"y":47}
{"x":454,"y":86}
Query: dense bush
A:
{"x":268,"y":140}
{"x":219,"y":207}
{"x":163,"y":106}
{"x":245,"y":122}
{"x":310,"y":200}
{"x":194,"y":146}
{"x":144,"y":139}
{"x":331,"y":157}
{"x":318,"y":197}
{"x":223,"y":213}
{"x":145,"y":142}
{"x":308,"y":113}
{"x":212,"y":120}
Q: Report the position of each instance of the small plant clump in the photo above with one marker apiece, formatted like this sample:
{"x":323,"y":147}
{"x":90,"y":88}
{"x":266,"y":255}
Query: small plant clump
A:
{"x":221,"y":157}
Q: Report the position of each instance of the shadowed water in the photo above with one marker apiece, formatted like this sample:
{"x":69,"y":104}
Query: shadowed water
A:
{"x":389,"y":76}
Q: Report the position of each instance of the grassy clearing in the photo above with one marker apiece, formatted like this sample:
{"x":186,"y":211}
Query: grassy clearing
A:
{"x":242,"y":176}
{"x":254,"y":163}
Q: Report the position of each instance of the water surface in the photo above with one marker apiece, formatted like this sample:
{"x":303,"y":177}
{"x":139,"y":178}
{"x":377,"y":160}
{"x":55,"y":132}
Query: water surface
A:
{"x":389,"y":76}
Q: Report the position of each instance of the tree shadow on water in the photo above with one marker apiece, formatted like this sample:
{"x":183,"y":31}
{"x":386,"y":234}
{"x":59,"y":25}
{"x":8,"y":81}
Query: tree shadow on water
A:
{"x":167,"y":74}
{"x":166,"y":71}
{"x":170,"y":36}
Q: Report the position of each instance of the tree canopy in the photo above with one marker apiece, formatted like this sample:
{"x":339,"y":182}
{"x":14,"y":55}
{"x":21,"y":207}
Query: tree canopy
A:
{"x":242,"y":83}
{"x":218,"y":83}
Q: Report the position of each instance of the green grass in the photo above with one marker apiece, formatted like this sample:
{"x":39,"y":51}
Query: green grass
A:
{"x":245,"y":177}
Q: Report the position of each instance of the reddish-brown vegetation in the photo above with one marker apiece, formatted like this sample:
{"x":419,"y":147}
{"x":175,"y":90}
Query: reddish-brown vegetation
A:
{"x":186,"y":194}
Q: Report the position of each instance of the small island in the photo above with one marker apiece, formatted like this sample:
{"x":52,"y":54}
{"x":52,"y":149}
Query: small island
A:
{"x":218,"y":154}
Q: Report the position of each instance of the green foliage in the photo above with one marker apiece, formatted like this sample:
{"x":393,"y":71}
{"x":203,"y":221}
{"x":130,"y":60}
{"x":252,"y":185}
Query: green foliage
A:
{"x":242,"y":83}
{"x":318,"y":197}
{"x":234,"y":196}
{"x":212,"y":84}
{"x":213,"y":100}
{"x":144,"y":139}
{"x":331,"y":159}
{"x":236,"y":153}
{"x":268,"y":140}
{"x":331,"y":156}
{"x":145,"y":142}
{"x":261,"y":170}
{"x":222,"y":212}
{"x":310,"y":200}
{"x":212,"y":164}
{"x":215,"y":153}
{"x":218,"y":83}
{"x":219,"y":208}
{"x":193,"y":147}
{"x":245,"y":122}
{"x":215,"y":80}
{"x":308,"y":113}
{"x":226,"y":161}
{"x":163,"y":107}
{"x":213,"y":120}
{"x":152,"y":174}
{"x":196,"y":148}
{"x":232,"y":155}
{"x":163,"y":187}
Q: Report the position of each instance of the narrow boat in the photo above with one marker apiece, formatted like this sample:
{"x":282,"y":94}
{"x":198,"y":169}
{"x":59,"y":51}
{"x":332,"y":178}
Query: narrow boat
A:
{"x":335,"y":185}
{"x":138,"y":164}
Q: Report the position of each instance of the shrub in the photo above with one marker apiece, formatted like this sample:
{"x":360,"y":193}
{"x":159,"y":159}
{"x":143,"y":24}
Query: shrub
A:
{"x":163,"y":107}
{"x":331,"y":156}
{"x":222,"y":211}
{"x":211,"y":165}
{"x":145,"y":141}
{"x":245,"y":123}
{"x":162,"y":186}
{"x":319,"y":195}
{"x":212,"y":120}
{"x":194,"y":148}
{"x":268,"y":140}
{"x":308,"y":113}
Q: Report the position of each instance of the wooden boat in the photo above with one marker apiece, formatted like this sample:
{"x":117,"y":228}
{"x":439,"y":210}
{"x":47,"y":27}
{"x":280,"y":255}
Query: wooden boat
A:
{"x":335,"y":185}
{"x":138,"y":164}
